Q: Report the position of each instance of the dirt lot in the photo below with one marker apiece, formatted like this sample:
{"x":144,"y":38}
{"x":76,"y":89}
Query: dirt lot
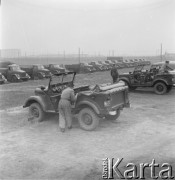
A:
{"x":144,"y":131}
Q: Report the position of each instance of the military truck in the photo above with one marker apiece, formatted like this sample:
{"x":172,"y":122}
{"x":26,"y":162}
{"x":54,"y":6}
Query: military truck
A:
{"x":161,"y":81}
{"x":55,"y":68}
{"x":37,"y":71}
{"x":97,"y":66}
{"x":86,"y":68}
{"x":93,"y":102}
{"x":107,"y":66}
{"x":80,"y":68}
{"x":13,"y":73}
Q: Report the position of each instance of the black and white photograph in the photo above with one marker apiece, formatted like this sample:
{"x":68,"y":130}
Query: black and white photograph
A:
{"x":87,"y":89}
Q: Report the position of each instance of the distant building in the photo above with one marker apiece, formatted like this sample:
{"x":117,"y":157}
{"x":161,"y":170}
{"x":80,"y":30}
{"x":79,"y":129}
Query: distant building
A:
{"x":10,"y":53}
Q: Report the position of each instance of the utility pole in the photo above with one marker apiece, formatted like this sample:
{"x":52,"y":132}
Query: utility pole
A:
{"x":161,"y":51}
{"x":113,"y":53}
{"x":79,"y":55}
{"x":64,"y":54}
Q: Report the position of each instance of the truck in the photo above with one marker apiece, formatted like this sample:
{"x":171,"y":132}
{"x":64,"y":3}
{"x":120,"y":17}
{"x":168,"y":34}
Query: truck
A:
{"x":81,"y":68}
{"x":107,"y":66}
{"x":37,"y":71}
{"x":94,"y":102}
{"x":55,"y":68}
{"x":13,"y":73}
{"x":97,"y":66}
{"x":161,"y":81}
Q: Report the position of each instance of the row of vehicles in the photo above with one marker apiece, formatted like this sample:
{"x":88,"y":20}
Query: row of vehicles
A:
{"x":14,"y":73}
{"x":104,"y":65}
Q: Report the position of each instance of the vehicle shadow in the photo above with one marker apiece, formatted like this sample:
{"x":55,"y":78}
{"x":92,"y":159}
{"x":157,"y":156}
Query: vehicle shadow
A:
{"x":143,"y":91}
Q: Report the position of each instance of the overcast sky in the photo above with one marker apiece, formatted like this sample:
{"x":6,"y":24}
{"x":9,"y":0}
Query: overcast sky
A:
{"x":128,"y":27}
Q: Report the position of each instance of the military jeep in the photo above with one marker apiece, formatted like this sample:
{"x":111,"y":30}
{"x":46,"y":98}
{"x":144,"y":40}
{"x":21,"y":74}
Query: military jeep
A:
{"x":160,"y":79}
{"x":93,"y":102}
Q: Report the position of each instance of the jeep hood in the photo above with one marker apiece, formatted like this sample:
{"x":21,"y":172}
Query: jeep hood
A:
{"x":105,"y":87}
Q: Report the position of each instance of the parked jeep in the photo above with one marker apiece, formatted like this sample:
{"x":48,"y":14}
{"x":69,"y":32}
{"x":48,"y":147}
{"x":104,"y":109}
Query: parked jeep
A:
{"x":2,"y":79}
{"x":55,"y":68}
{"x":106,"y":66}
{"x":97,"y":66}
{"x":161,"y":81}
{"x":93,"y":102}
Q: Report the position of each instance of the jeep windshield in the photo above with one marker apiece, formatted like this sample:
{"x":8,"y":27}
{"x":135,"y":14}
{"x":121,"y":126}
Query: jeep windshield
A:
{"x":139,"y":68}
{"x":62,"y":79}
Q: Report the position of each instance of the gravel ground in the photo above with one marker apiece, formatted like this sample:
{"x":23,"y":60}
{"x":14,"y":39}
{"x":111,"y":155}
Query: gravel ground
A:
{"x":39,"y":151}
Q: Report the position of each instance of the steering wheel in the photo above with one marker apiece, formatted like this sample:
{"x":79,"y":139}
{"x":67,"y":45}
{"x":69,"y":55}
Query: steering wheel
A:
{"x":56,"y":89}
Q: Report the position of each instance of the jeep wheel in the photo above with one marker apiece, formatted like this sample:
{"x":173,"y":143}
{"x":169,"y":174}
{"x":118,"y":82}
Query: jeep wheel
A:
{"x":169,"y":88}
{"x":160,"y":88}
{"x":35,"y":112}
{"x":88,"y":119}
{"x":113,"y":117}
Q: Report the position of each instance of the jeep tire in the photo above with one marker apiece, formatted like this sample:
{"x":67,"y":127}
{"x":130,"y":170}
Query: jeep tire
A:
{"x":88,"y":119}
{"x":36,"y":113}
{"x":113,"y":118}
{"x":160,"y":88}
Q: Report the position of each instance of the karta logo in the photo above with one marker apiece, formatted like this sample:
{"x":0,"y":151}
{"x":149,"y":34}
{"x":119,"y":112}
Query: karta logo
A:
{"x":112,"y":168}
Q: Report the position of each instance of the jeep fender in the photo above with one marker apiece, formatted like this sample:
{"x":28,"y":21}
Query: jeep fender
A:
{"x":160,"y":80}
{"x":89,"y":104}
{"x":124,"y":79}
{"x":35,"y":99}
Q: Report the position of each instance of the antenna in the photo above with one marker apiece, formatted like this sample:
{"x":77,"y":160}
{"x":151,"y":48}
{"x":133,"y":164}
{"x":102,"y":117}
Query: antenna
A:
{"x":161,"y":51}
